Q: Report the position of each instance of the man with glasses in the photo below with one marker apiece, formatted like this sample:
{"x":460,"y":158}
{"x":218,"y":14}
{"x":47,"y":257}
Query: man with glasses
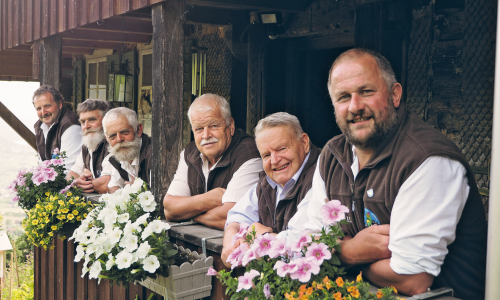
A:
{"x":215,"y":170}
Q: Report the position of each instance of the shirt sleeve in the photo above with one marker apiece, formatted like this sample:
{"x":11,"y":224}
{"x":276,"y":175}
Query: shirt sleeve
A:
{"x":107,"y":167}
{"x":425,"y":216}
{"x":79,"y":165}
{"x":179,"y":185}
{"x":71,"y":142}
{"x":314,"y":222}
{"x":296,"y":223}
{"x":243,"y":179}
{"x":116,"y":179}
{"x":246,"y":210}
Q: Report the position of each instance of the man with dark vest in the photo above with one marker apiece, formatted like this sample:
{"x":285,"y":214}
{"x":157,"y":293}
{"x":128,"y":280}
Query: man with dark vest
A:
{"x":289,"y":160}
{"x":129,"y":146}
{"x":416,"y":219}
{"x":92,"y":168}
{"x":58,"y":127}
{"x":216,"y":169}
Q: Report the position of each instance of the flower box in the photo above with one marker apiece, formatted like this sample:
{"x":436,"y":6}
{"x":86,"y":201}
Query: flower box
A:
{"x":189,"y":281}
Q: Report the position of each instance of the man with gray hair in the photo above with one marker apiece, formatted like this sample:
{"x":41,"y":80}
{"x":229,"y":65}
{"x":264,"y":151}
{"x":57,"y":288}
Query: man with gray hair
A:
{"x":289,"y":160}
{"x":216,"y":169}
{"x":92,"y":168}
{"x":129,"y":146}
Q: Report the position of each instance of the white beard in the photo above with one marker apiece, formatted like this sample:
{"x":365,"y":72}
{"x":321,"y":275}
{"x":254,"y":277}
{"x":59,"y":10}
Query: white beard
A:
{"x":126,"y":151}
{"x":92,"y":139}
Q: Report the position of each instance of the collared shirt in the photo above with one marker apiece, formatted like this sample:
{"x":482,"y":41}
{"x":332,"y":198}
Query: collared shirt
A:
{"x":79,"y":165}
{"x":246,"y":176}
{"x":424,"y":217}
{"x":131,"y":168}
{"x":71,"y":142}
{"x":247,"y":209}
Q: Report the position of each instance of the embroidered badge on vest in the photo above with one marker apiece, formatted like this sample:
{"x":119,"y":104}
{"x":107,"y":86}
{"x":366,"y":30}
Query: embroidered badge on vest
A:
{"x":370,"y":218}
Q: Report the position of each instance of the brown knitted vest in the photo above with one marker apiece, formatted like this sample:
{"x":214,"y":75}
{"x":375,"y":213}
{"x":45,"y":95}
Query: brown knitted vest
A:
{"x":398,"y":155}
{"x":65,"y":119}
{"x":241,"y":149}
{"x":278,"y":217}
{"x":98,"y":156}
{"x":144,"y":159}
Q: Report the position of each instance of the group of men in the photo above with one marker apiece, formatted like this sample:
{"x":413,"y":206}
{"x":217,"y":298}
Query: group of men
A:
{"x":416,"y":219}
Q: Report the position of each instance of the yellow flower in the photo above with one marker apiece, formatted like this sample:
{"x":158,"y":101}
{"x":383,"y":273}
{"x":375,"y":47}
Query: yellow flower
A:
{"x":340,"y":282}
{"x":50,"y":207}
{"x":47,"y":220}
{"x":53,"y":227}
{"x":395,"y":290}
{"x":69,"y":194}
{"x":71,"y":201}
{"x":380,"y":294}
{"x":40,"y":214}
{"x":60,"y":202}
{"x":71,"y":216}
{"x":37,"y":206}
{"x":78,"y":218}
{"x":52,"y":247}
{"x":355,"y":292}
{"x":319,"y":286}
{"x":359,"y":278}
{"x":64,"y":210}
{"x":83,"y":204}
{"x":51,"y":233}
{"x":61,"y":217}
{"x":75,"y":212}
{"x":84,"y":215}
{"x":47,"y":194}
{"x":337,"y":296}
{"x":89,"y":203}
{"x":309,"y":291}
{"x":34,"y":222}
{"x":58,"y":211}
{"x":42,"y":242}
{"x":314,"y":284}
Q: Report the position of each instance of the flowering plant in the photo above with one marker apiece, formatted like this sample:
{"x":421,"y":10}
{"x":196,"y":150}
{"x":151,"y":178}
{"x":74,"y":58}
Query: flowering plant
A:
{"x":277,"y":270}
{"x":49,"y":215}
{"x":49,"y":176}
{"x":119,"y":239}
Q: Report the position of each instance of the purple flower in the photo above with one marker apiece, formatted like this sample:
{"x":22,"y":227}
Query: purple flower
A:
{"x":245,"y":281}
{"x":333,"y":212}
{"x":305,"y":267}
{"x":319,"y":252}
{"x":248,"y":256}
{"x":282,"y":268}
{"x":305,"y":238}
{"x":263,"y":243}
{"x":267,"y":290}
{"x":237,"y":255}
{"x":212,"y":272}
{"x":278,"y":247}
{"x":241,"y":233}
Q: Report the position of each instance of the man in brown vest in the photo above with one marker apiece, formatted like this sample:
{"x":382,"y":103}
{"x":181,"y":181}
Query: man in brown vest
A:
{"x":396,"y":172}
{"x":92,"y":168}
{"x":216,"y":169}
{"x":289,"y":160}
{"x":58,"y":127}
{"x":129,"y":146}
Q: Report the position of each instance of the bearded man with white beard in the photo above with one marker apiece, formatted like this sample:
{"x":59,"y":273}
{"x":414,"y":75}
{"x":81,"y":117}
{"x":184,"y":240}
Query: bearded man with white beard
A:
{"x":216,"y":169}
{"x":129,"y":146}
{"x":92,"y":168}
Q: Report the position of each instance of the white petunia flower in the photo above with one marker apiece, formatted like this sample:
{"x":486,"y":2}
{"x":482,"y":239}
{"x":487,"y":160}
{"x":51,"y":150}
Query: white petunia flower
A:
{"x":95,"y":270}
{"x":80,"y":252}
{"x":84,"y":271}
{"x":149,"y":208}
{"x":114,"y":236}
{"x":128,"y":228}
{"x":105,"y":198}
{"x":146,"y":233}
{"x":124,"y":259}
{"x":151,"y":264}
{"x":143,"y":250}
{"x":123,"y":218}
{"x":146,"y":198}
{"x":137,"y":185}
{"x":156,"y":226}
{"x":110,"y":263}
{"x":99,"y":252}
{"x":142,"y":220}
{"x":129,"y":242}
{"x":107,"y":247}
{"x":92,"y":248}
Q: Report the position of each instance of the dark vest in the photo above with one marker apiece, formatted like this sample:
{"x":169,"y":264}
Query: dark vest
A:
{"x":65,"y":119}
{"x":277,"y":218}
{"x":98,"y":156}
{"x":144,"y":161}
{"x":241,"y":149}
{"x":400,"y":153}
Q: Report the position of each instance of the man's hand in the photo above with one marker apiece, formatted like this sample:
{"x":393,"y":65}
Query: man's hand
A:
{"x":260,"y":229}
{"x":369,"y":245}
{"x":215,"y":196}
{"x":85,"y":181}
{"x":178,"y":208}
{"x":130,"y":182}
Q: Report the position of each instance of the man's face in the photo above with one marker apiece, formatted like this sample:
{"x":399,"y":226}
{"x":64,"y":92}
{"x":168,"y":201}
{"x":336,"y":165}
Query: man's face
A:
{"x":211,"y":134}
{"x":46,"y":108}
{"x":91,"y":121}
{"x":123,"y":141}
{"x":364,"y":108}
{"x":282,"y":153}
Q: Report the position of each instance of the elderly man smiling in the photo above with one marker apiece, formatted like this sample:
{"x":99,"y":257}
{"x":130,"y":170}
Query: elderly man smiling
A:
{"x":289,"y":160}
{"x":216,"y":169}
{"x":130,"y":147}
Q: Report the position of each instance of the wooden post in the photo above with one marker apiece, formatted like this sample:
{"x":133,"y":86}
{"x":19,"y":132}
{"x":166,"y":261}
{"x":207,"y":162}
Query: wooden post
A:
{"x":15,"y":260}
{"x":168,"y":42}
{"x":50,"y":61}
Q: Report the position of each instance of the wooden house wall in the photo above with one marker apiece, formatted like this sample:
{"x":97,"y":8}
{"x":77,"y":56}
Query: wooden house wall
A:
{"x":25,"y":21}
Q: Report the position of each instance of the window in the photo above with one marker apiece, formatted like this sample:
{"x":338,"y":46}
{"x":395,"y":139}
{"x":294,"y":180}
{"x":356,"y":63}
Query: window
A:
{"x":145,"y":89}
{"x":96,"y":78}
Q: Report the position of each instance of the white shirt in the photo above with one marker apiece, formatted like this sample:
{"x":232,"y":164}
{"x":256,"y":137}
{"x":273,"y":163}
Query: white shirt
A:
{"x":79,"y":165}
{"x":246,"y":176}
{"x":71,"y":142}
{"x":247,"y":209}
{"x":424,"y":217}
{"x":131,"y":168}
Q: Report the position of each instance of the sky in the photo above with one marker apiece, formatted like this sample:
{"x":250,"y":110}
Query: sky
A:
{"x":16,"y":96}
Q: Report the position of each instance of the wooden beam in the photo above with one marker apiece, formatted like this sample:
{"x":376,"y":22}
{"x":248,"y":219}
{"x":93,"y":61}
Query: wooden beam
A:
{"x":283,"y":5}
{"x":102,"y":36}
{"x":50,"y":61}
{"x":91,"y":44}
{"x":130,"y":25}
{"x":215,"y":16}
{"x":168,"y":53}
{"x":18,"y":126}
{"x":77,"y":50}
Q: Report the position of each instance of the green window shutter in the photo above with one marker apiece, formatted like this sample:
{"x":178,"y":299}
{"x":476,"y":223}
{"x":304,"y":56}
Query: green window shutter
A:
{"x":78,"y":82}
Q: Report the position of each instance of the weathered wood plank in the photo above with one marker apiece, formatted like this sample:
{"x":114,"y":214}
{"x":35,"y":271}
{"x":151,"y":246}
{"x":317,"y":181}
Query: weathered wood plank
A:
{"x":81,"y":283}
{"x":50,"y":61}
{"x":9,"y":23}
{"x":119,"y":292}
{"x":44,"y":275}
{"x":61,"y":262}
{"x":94,"y":10}
{"x":52,"y":279}
{"x":105,"y":6}
{"x":168,"y":53}
{"x":37,"y":19}
{"x":194,"y":233}
{"x":71,"y":271}
{"x":45,"y":18}
{"x":22,"y":21}
{"x":29,"y":21}
{"x":136,"y":4}
{"x":134,"y":290}
{"x":53,"y":16}
{"x":37,"y":272}
{"x":104,"y":290}
{"x":35,"y":73}
{"x":284,"y":5}
{"x":92,"y":289}
{"x":16,"y":6}
{"x":103,"y":36}
{"x":72,"y":13}
{"x":17,"y":125}
{"x":82,"y":12}
{"x":62,"y":14}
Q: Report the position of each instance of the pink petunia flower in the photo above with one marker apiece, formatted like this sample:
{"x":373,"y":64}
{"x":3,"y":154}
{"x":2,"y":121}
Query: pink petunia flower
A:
{"x":50,"y":174}
{"x":282,"y":268}
{"x":263,"y":243}
{"x":241,"y":233}
{"x":305,"y":238}
{"x":333,"y":212}
{"x":305,"y":267}
{"x":248,"y":256}
{"x":57,"y":162}
{"x":237,"y":255}
{"x":246,"y":281}
{"x":15,"y":199}
{"x":211,"y":272}
{"x":278,"y":247}
{"x":319,"y":252}
{"x":21,"y":181}
{"x":38,"y":179}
